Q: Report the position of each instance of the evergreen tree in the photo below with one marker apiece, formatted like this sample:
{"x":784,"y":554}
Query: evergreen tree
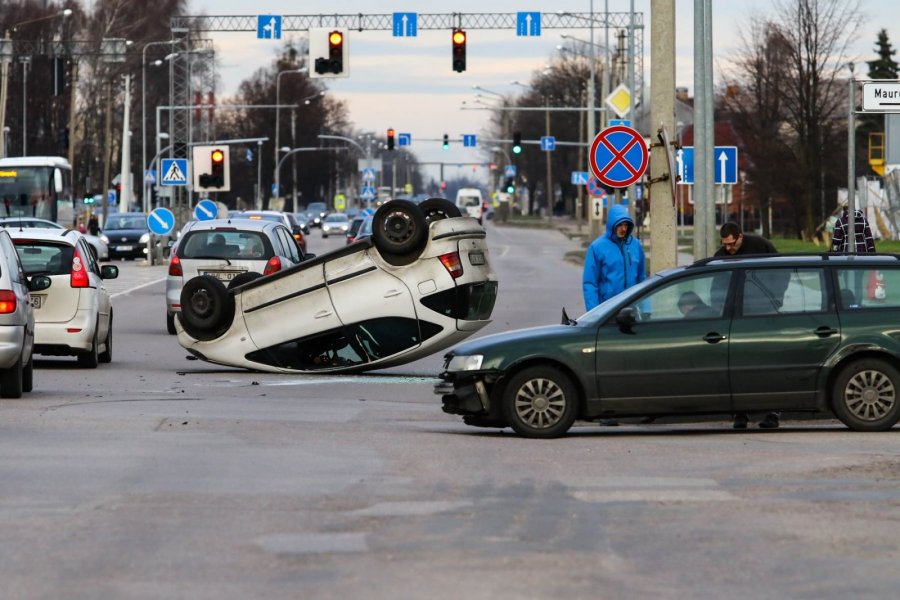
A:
{"x":883,"y":67}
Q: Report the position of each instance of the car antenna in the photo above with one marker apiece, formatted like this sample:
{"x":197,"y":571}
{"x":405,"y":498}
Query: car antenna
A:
{"x":565,"y":318}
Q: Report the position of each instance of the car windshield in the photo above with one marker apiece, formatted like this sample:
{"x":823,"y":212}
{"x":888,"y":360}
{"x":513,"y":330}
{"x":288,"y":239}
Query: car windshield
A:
{"x":336,"y":218}
{"x":233,"y":244}
{"x":470,"y":201}
{"x":45,"y":258}
{"x":125,"y":222}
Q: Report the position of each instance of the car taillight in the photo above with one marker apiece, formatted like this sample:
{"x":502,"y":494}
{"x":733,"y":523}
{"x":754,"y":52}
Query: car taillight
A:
{"x":175,"y":267}
{"x":452,"y":263}
{"x":7,"y":302}
{"x":79,"y":277}
{"x":273,"y":265}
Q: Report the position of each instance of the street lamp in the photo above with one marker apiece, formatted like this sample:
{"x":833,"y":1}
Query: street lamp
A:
{"x":306,"y":101}
{"x":278,"y":117}
{"x":144,"y":108}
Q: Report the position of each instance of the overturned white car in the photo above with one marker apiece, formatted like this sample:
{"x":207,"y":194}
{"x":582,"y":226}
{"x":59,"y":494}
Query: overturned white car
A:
{"x":421,"y":283}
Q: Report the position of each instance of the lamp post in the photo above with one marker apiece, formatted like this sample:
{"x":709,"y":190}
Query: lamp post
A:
{"x":144,"y":109}
{"x":278,"y":119}
{"x":305,"y":101}
{"x":4,"y":75}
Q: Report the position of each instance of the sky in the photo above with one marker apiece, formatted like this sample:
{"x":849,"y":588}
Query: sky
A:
{"x":407,"y":83}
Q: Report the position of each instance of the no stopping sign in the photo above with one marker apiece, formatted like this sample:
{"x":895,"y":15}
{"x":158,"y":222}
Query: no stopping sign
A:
{"x":618,"y":156}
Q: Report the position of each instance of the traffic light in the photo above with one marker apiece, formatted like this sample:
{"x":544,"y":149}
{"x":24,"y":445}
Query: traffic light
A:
{"x":510,"y":185}
{"x":459,"y":50}
{"x":517,"y":143}
{"x":446,"y":144}
{"x":216,"y":177}
{"x":334,"y":63}
{"x":390,"y":138}
{"x":88,"y":200}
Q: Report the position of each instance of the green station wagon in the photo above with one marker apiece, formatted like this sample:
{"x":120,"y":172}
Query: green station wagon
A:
{"x":817,"y":333}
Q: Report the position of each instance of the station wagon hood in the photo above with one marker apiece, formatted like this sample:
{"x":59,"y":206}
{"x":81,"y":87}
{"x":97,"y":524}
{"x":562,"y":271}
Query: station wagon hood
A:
{"x":535,"y":336}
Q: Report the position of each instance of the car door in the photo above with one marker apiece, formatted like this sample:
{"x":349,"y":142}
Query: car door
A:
{"x":104,"y":305}
{"x":667,"y":360}
{"x":783,"y":330}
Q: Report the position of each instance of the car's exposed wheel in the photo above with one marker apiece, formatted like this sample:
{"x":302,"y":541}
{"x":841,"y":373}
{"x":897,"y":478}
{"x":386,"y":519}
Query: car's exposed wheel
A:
{"x":90,"y":359}
{"x":866,"y":395}
{"x":399,"y":228}
{"x":206,"y":308}
{"x":435,"y":209}
{"x":11,"y":380}
{"x":540,"y":402}
{"x":170,"y":324}
{"x":28,"y":375}
{"x":106,"y":355}
{"x":243,"y":278}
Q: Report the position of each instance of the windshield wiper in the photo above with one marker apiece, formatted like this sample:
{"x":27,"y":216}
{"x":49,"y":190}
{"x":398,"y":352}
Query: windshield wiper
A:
{"x":566,"y":320}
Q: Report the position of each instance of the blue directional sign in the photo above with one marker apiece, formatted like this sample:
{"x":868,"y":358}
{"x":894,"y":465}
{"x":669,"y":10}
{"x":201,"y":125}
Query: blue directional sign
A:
{"x":206,"y":210}
{"x":150,"y":176}
{"x":725,"y":165}
{"x":548,"y":143}
{"x":528,"y":24}
{"x":174,"y":171}
{"x":509,"y":171}
{"x":161,"y":221}
{"x":268,"y":27}
{"x":579,"y":177}
{"x":367,"y":193}
{"x":404,"y":139}
{"x":274,"y":189}
{"x":405,"y":24}
{"x":469,"y":140}
{"x":111,"y":197}
{"x":622,"y":122}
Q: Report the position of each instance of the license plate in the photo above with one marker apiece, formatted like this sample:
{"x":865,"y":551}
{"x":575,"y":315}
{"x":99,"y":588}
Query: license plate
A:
{"x":476,"y":258}
{"x":222,"y":275}
{"x":124,"y":248}
{"x":37,"y":301}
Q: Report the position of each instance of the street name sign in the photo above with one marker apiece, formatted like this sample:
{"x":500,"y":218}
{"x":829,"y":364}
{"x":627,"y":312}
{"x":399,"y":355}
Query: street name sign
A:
{"x":881,"y":96}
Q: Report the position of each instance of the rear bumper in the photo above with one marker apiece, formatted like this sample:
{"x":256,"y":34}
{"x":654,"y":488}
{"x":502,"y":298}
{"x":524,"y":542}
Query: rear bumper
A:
{"x":55,"y":339}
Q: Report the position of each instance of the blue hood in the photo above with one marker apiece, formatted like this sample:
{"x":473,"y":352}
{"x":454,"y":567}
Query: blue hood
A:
{"x":618,"y":214}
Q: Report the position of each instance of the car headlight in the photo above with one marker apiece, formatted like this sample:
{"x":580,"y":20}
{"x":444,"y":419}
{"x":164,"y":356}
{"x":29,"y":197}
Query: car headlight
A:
{"x":145,"y":238}
{"x":471,"y":362}
{"x":104,"y":238}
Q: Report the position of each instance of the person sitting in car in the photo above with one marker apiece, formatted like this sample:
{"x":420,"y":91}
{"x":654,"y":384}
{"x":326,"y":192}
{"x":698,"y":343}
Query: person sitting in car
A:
{"x":692,"y":307}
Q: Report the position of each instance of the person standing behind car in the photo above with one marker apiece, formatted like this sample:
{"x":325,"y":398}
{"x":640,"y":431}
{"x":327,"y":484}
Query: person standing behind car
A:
{"x":840,"y":239}
{"x":614,"y":261}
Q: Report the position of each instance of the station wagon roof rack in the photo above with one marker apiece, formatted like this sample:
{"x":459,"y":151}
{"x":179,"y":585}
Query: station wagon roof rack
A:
{"x":822,"y":255}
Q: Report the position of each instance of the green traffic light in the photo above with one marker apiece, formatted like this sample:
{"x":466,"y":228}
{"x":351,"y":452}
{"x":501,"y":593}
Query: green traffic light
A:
{"x":517,"y":149}
{"x":510,"y":189}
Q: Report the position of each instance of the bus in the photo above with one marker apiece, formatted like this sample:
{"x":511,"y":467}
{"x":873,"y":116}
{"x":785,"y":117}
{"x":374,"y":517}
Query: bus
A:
{"x":37,"y":186}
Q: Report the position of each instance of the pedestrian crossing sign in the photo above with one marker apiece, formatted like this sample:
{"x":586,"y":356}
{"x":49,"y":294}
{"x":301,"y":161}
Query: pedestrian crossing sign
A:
{"x":174,"y":171}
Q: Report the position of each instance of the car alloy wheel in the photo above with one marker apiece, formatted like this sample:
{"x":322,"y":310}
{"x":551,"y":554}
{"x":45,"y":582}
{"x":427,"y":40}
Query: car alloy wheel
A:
{"x":866,"y":395}
{"x":207,"y":308}
{"x":540,"y":402}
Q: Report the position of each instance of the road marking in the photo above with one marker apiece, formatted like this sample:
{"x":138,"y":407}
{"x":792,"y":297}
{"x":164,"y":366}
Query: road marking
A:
{"x":134,"y":289}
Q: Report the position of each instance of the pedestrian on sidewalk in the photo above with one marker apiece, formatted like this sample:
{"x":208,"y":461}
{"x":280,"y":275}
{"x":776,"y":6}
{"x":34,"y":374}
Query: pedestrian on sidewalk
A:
{"x":840,"y":239}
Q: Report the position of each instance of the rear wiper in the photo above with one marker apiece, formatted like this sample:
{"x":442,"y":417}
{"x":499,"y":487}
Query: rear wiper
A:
{"x":209,"y":258}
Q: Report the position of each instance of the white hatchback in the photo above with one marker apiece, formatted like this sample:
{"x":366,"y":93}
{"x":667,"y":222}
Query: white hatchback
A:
{"x":421,"y":283}
{"x":74,"y":315}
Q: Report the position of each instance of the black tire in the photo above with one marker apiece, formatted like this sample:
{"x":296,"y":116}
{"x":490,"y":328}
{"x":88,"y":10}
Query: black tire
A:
{"x":106,"y":355}
{"x":399,"y":228}
{"x":866,"y":395}
{"x":170,"y":324}
{"x":435,"y":209}
{"x":90,"y":359}
{"x":540,"y":402}
{"x":28,"y":375}
{"x":207,"y":308}
{"x":11,"y":380}
{"x":243,"y":278}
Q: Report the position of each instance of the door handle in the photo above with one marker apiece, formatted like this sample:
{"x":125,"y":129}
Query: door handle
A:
{"x":322,"y":314}
{"x":825,"y":331}
{"x":714,"y":338}
{"x":392,"y":293}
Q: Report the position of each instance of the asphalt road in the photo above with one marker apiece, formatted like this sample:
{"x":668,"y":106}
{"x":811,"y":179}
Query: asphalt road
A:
{"x":159,"y":477}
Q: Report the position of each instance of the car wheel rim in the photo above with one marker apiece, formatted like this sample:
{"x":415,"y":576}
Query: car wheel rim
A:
{"x":201,"y":303}
{"x":870,"y":395}
{"x":397,"y":226}
{"x":540,"y":403}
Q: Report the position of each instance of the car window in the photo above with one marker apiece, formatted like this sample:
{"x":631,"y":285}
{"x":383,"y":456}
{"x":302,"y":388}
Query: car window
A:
{"x":45,"y":258}
{"x":690,"y":298}
{"x":290,"y":246}
{"x":783,"y":291}
{"x":866,"y":288}
{"x":12,"y":264}
{"x":122,"y":222}
{"x":85,"y":249}
{"x":232,"y":244}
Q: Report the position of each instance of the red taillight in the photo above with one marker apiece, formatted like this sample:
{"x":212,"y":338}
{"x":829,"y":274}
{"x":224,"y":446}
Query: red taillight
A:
{"x":79,"y":277}
{"x":175,"y":267}
{"x":7,"y":302}
{"x":273,"y":265}
{"x":452,"y":263}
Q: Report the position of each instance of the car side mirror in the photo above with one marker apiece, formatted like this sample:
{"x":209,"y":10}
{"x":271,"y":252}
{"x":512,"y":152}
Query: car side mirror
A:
{"x":626,"y":318}
{"x":109,"y":271}
{"x":39,"y":283}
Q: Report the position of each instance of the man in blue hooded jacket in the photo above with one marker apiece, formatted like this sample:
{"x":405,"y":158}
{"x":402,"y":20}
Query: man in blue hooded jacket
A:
{"x":614,"y":261}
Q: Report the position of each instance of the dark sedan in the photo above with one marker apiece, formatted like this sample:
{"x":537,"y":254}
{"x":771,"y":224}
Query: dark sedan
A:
{"x":126,"y":235}
{"x":725,"y":335}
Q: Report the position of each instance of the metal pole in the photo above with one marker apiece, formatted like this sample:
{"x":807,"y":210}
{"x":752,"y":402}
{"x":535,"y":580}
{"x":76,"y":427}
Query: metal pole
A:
{"x":851,"y":163}
{"x":25,"y":61}
{"x":4,"y":77}
{"x":704,"y":208}
{"x":125,"y":173}
{"x":632,"y":201}
{"x":258,"y":175}
{"x":293,"y":160}
{"x":593,"y":224}
{"x":278,"y":122}
{"x":549,"y":166}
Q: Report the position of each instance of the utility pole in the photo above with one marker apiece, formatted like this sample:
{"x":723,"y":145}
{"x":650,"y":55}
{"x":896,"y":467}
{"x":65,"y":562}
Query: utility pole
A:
{"x":704,"y":142}
{"x":663,"y":230}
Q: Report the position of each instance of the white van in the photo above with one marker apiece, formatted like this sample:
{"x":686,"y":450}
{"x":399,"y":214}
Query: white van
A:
{"x":469,"y":200}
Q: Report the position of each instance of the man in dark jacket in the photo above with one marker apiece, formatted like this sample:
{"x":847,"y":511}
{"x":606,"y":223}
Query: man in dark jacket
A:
{"x":735,"y":241}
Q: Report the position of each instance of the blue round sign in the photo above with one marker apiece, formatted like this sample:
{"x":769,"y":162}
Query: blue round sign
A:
{"x":618,"y":156}
{"x":161,"y":221}
{"x":206,"y":210}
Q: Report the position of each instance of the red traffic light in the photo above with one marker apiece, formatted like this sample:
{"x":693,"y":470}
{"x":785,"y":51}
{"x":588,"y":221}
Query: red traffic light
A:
{"x":390,"y":138}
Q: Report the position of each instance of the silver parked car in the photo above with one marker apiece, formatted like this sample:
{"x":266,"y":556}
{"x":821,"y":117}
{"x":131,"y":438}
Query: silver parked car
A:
{"x":233,"y":251}
{"x":100,"y":247}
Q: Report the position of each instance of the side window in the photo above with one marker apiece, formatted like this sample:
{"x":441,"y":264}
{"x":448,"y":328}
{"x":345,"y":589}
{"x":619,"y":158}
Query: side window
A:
{"x":290,"y":246}
{"x":866,"y":288}
{"x":88,"y":255}
{"x":783,"y":291}
{"x":694,"y":298}
{"x":12,"y":264}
